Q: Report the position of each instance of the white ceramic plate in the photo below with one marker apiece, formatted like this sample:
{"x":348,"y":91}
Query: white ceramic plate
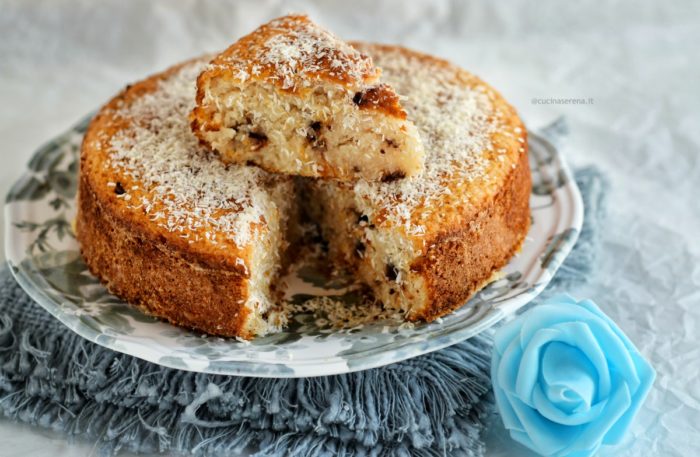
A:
{"x":44,"y":257}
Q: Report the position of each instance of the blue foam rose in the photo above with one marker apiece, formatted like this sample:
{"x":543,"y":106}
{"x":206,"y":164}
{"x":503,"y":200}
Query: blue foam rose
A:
{"x":566,"y":379}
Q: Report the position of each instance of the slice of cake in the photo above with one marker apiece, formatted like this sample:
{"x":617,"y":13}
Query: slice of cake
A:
{"x":184,"y":237}
{"x":292,"y":98}
{"x":425,"y":245}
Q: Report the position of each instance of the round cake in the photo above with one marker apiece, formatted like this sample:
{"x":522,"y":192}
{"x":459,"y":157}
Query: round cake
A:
{"x":170,"y":228}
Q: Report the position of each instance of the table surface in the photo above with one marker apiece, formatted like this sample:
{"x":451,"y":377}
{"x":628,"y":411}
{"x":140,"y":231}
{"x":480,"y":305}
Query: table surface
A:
{"x":637,"y":64}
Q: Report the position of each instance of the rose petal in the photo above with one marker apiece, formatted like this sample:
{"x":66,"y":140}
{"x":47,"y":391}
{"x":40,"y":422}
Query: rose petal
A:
{"x":508,"y":366}
{"x":617,"y":346}
{"x":646,"y":375}
{"x":549,"y":314}
{"x":566,"y":366}
{"x":546,"y":437}
{"x":510,"y":419}
{"x":566,"y":369}
{"x":582,"y":337}
{"x":551,"y":412}
{"x":563,"y":309}
{"x":523,"y":438}
{"x":529,"y":367}
{"x":575,"y":334}
{"x":644,"y":371}
{"x":506,"y":334}
{"x":586,"y":453}
{"x":591,"y":436}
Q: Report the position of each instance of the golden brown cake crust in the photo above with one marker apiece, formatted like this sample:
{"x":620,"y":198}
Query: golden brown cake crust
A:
{"x":291,"y":51}
{"x":189,"y":284}
{"x":462,"y":260}
{"x":156,"y":277}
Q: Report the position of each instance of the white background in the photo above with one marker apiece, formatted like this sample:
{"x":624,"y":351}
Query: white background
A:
{"x":638,"y":61}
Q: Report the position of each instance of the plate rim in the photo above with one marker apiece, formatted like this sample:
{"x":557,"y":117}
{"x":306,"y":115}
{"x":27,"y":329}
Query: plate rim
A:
{"x":410,"y":348}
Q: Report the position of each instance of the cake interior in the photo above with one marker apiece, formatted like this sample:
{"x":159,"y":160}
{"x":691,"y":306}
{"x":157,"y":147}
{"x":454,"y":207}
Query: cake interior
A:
{"x":302,"y":132}
{"x":378,"y":258}
{"x":269,"y":258}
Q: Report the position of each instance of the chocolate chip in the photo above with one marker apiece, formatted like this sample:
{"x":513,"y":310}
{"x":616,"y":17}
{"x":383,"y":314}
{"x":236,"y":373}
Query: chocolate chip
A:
{"x":392,"y":291}
{"x":360,"y":248}
{"x":313,"y":137}
{"x":119,"y":189}
{"x":391,"y":272}
{"x":393,"y":176}
{"x":372,"y":96}
{"x":356,"y":169}
{"x":259,"y":140}
{"x":319,"y":144}
{"x":363,"y":218}
{"x":319,"y":240}
{"x":257,"y":136}
{"x":391,"y":143}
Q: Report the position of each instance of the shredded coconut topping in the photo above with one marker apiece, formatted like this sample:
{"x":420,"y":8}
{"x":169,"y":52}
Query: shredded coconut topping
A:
{"x":294,"y":51}
{"x":184,"y":189}
{"x":187,"y":191}
{"x":455,"y":123}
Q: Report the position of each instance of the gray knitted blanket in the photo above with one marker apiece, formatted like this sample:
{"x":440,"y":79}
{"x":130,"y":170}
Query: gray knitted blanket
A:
{"x":432,"y":405}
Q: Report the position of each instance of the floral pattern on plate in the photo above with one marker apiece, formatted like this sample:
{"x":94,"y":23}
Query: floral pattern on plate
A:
{"x":44,"y":257}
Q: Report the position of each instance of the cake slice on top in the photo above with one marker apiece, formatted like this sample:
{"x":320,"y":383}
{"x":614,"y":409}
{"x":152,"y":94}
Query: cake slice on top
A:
{"x":292,"y":98}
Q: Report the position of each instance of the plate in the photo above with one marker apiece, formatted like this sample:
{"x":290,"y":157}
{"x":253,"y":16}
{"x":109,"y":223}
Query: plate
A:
{"x":44,"y":258}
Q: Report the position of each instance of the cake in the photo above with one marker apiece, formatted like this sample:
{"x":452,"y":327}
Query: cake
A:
{"x":199,"y":242}
{"x":293,"y":99}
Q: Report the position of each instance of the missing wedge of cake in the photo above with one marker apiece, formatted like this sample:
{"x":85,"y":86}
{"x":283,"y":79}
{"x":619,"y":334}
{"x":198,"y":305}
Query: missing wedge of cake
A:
{"x":426,"y":244}
{"x":292,"y":98}
{"x":185,"y":238}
